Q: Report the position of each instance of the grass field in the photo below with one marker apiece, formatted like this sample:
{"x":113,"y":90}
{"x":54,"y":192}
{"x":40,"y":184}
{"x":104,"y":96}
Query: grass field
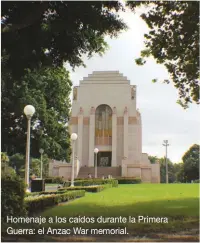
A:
{"x":178,"y":202}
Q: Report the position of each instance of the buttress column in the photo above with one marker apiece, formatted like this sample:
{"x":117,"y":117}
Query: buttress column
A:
{"x":126,"y":132}
{"x":91,"y":137}
{"x":80,"y":134}
{"x":114,"y":138}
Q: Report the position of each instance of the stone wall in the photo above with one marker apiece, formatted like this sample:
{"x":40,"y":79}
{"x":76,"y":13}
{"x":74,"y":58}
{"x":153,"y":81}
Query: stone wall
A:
{"x":155,"y":174}
{"x":60,"y":169}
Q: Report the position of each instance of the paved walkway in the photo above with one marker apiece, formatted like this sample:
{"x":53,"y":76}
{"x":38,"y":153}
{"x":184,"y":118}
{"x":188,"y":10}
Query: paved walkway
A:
{"x":51,"y":188}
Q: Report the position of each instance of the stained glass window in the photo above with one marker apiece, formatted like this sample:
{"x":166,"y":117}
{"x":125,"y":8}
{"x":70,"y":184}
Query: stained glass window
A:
{"x":103,"y":121}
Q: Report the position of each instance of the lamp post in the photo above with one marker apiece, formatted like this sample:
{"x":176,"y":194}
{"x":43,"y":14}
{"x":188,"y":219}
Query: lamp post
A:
{"x":29,"y":110}
{"x":95,"y":166}
{"x":41,"y":152}
{"x":165,"y":143}
{"x":74,"y":136}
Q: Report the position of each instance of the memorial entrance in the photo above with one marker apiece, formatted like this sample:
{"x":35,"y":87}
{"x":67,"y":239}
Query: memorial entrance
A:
{"x":104,"y":159}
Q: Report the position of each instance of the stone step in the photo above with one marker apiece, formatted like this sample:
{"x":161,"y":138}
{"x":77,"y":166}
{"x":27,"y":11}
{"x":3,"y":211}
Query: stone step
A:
{"x":101,"y":171}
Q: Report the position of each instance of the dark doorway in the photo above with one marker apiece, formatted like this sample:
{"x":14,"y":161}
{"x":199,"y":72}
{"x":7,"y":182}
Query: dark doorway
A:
{"x":104,"y":159}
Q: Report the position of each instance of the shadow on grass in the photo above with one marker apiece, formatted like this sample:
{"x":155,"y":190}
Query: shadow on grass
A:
{"x":182,"y":214}
{"x":188,"y":207}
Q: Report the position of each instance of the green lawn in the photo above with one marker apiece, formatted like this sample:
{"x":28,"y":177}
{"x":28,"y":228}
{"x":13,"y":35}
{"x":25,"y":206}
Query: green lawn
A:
{"x":177,"y":202}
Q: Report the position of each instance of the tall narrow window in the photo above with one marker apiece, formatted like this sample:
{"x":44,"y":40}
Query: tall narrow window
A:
{"x":103,"y":125}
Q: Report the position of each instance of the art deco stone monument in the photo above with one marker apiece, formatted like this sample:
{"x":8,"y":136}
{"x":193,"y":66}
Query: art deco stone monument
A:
{"x":105,"y":116}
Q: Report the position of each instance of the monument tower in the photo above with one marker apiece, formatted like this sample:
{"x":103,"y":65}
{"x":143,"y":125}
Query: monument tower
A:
{"x":105,"y":116}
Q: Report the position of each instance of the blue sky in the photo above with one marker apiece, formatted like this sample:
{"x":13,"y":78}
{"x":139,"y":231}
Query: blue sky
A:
{"x":162,"y":117}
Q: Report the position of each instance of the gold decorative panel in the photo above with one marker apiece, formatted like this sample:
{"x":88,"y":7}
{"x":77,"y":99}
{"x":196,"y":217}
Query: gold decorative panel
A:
{"x":73,"y":120}
{"x":132,"y":120}
{"x":86,"y":121}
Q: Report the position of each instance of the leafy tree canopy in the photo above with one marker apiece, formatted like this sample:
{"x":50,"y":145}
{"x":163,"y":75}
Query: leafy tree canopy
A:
{"x":47,"y":33}
{"x":173,"y":41}
{"x":17,"y":164}
{"x":175,"y":170}
{"x":191,"y":163}
{"x":4,"y":158}
{"x":5,"y":168}
{"x":153,"y":159}
{"x":48,"y":91}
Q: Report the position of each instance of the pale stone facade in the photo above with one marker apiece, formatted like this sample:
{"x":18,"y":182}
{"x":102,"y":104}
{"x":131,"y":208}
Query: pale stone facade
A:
{"x":105,"y":116}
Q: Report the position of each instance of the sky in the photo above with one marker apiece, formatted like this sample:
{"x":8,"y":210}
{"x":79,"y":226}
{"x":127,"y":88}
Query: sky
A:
{"x":162,"y":117}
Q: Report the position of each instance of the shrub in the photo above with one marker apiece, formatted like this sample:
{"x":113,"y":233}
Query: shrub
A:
{"x":58,"y":180}
{"x":95,"y":182}
{"x":17,"y":162}
{"x":67,"y":183}
{"x":4,"y":161}
{"x":5,"y":168}
{"x":41,"y":202}
{"x":129,"y":180}
{"x":86,"y":188}
{"x":196,"y":181}
{"x":12,"y":196}
{"x":44,"y":193}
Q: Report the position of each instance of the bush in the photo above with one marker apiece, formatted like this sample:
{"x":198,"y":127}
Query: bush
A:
{"x":95,"y":182}
{"x":39,"y":203}
{"x":17,"y":162}
{"x":5,"y":168}
{"x":129,"y":180}
{"x":196,"y":181}
{"x":67,"y":183}
{"x":86,"y":188}
{"x":44,"y":193}
{"x":12,"y":196}
{"x":56,"y":180}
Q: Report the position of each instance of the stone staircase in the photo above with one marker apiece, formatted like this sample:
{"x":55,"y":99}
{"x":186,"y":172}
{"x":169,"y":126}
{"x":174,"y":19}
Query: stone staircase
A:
{"x":101,"y":171}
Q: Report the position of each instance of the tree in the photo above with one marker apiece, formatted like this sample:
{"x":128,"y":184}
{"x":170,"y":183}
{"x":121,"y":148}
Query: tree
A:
{"x":5,"y":168}
{"x":35,"y":166}
{"x":37,"y":38}
{"x":17,"y":162}
{"x":4,"y":161}
{"x":180,"y":177}
{"x":171,"y":175}
{"x":191,"y":163}
{"x":48,"y":33}
{"x":48,"y":90}
{"x":153,"y":159}
{"x":173,"y":41}
{"x":173,"y":169}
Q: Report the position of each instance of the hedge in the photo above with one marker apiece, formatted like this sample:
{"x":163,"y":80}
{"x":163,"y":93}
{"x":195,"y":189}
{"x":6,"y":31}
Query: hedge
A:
{"x":129,"y":180}
{"x":67,"y":183}
{"x":86,"y":188}
{"x":58,"y":180}
{"x":94,"y":182}
{"x":44,"y":193}
{"x":39,"y":203}
{"x":12,"y":196}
